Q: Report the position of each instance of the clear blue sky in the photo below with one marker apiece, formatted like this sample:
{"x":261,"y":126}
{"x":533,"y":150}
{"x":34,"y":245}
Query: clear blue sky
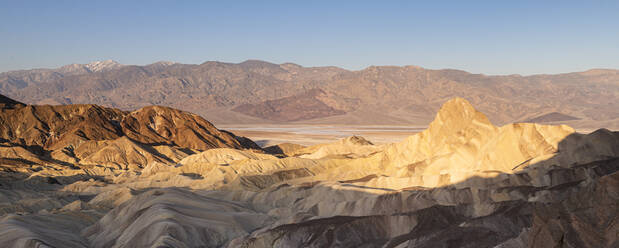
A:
{"x":491,"y":37}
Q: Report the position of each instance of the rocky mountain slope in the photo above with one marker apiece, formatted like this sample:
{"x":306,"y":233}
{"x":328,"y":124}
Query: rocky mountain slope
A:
{"x":306,"y":106}
{"x":261,"y":92}
{"x":463,"y":182}
{"x":92,"y":134}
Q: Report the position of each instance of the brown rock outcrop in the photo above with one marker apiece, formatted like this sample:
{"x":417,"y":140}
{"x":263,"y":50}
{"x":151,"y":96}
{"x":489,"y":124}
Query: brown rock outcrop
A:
{"x":53,"y":127}
{"x":163,"y":125}
{"x":95,"y":135}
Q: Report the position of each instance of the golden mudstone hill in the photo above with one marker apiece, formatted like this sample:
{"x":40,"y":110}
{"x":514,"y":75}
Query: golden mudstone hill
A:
{"x":288,"y":149}
{"x":462,"y":182}
{"x":461,"y":143}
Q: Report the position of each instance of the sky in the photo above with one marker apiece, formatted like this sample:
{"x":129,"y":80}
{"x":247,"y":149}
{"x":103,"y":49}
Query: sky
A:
{"x":490,"y":37}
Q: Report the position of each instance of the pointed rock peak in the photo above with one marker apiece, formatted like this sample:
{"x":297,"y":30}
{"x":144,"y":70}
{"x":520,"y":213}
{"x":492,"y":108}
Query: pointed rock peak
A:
{"x":458,"y":114}
{"x":95,"y":66}
{"x":107,"y":61}
{"x":459,"y":109}
{"x":456,"y":103}
{"x":102,"y":65}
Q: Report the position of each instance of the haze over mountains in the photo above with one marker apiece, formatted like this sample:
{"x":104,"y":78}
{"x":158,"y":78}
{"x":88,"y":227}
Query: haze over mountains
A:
{"x":91,"y":176}
{"x":254,"y":92}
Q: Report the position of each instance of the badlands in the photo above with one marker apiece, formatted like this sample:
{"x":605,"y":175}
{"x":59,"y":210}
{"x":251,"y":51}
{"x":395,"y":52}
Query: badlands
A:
{"x":92,"y":176}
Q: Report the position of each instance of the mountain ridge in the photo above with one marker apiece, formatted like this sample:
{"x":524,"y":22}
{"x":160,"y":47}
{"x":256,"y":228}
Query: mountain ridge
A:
{"x":383,"y":94}
{"x":463,"y":180}
{"x":70,"y":133}
{"x":598,"y":70}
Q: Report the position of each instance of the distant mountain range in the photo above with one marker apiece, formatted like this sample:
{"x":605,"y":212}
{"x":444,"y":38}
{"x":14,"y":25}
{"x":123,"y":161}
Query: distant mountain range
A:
{"x":254,"y":92}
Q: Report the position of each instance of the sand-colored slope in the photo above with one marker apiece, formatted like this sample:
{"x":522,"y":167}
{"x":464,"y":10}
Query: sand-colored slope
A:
{"x":461,"y":143}
{"x":121,"y":153}
{"x":287,"y":149}
{"x":463,"y":181}
{"x":223,"y":156}
{"x":352,"y":147}
{"x":173,"y":218}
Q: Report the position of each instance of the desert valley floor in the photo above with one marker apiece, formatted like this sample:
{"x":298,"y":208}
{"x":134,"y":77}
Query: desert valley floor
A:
{"x":307,"y":134}
{"x":268,"y":135}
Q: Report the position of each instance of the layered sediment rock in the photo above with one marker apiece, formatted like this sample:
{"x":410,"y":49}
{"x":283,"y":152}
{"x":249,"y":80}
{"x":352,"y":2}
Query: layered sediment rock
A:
{"x":462,"y":182}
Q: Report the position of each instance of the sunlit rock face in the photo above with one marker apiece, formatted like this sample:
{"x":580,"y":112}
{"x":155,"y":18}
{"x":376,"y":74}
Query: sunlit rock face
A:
{"x":461,"y":143}
{"x":159,"y":177}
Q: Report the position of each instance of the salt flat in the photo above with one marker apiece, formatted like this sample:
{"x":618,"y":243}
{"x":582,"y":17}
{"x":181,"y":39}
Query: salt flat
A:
{"x":267,"y":135}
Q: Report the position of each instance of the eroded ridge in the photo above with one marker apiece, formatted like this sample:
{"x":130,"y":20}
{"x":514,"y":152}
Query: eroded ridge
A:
{"x":88,"y":176}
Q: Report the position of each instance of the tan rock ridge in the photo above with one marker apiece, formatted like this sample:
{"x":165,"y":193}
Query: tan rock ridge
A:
{"x":351,"y":147}
{"x":287,"y":149}
{"x":462,"y":182}
{"x":461,"y":142}
{"x":124,"y":153}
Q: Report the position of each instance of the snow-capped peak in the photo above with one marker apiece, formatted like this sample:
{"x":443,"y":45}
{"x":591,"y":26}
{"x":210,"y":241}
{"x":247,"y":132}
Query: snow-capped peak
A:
{"x":102,"y":65}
